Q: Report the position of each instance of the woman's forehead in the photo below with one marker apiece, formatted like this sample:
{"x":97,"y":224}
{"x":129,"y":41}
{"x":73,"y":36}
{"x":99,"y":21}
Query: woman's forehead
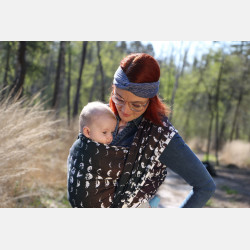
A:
{"x":128,"y":96}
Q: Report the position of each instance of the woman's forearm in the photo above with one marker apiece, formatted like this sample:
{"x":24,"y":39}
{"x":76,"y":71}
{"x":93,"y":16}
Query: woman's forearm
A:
{"x":180,"y":159}
{"x":199,"y":196}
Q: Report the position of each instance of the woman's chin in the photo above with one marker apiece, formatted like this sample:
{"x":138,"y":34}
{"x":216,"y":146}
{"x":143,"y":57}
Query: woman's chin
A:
{"x":126,"y":118}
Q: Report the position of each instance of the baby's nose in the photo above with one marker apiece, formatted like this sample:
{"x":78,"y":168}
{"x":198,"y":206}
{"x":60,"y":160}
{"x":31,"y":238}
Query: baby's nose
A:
{"x":110,"y":139}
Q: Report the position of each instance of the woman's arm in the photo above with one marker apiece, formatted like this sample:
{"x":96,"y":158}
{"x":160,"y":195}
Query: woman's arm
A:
{"x":180,"y":158}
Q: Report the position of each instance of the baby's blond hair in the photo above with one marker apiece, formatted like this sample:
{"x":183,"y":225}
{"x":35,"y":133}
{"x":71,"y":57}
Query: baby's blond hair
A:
{"x":91,"y":111}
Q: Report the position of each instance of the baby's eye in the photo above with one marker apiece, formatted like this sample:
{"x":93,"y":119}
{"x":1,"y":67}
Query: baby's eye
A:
{"x":104,"y":133}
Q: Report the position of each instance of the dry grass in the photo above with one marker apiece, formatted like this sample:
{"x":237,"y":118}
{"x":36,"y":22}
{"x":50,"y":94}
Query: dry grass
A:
{"x":236,"y":152}
{"x":33,"y":153}
{"x":198,"y":145}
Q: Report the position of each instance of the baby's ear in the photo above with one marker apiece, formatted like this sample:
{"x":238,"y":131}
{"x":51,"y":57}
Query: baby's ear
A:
{"x":86,"y":132}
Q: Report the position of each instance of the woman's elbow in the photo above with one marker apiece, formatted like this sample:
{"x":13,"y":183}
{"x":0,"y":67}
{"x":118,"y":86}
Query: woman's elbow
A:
{"x":210,"y":187}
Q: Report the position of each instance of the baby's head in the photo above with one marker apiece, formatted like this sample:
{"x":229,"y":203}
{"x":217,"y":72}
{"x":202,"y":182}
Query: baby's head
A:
{"x":97,"y":122}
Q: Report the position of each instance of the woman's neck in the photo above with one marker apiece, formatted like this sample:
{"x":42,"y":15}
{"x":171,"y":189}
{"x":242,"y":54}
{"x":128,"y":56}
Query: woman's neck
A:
{"x":122,"y":125}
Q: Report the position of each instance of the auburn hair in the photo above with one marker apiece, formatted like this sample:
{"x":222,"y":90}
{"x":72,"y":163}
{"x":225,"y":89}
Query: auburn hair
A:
{"x":140,"y":68}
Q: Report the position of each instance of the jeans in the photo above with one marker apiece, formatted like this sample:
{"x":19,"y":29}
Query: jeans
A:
{"x":179,"y":158}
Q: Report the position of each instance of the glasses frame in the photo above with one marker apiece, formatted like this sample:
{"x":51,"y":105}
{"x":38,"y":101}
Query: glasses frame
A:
{"x":113,"y":96}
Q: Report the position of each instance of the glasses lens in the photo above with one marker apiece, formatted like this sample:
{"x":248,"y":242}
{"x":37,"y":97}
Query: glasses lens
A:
{"x":137,"y":107}
{"x":117,"y":100}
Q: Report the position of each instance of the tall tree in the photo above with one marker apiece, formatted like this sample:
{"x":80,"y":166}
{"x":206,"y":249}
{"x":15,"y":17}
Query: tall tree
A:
{"x":224,"y":120}
{"x":17,"y":87}
{"x":139,"y":47}
{"x":234,"y":124}
{"x":210,"y":127}
{"x":179,"y":72}
{"x":211,"y":111}
{"x":79,"y":82}
{"x":50,"y":68}
{"x":242,"y":88}
{"x":202,"y":69}
{"x":102,"y":74}
{"x":170,"y":67}
{"x":69,"y":83}
{"x":217,"y":99}
{"x":60,"y":77}
{"x":94,"y":84}
{"x":7,"y":66}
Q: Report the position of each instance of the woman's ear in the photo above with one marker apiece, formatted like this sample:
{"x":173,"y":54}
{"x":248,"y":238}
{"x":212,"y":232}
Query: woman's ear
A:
{"x":86,"y":132}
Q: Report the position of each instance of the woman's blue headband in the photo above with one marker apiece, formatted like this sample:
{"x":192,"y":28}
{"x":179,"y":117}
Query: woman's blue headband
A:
{"x":145,"y":90}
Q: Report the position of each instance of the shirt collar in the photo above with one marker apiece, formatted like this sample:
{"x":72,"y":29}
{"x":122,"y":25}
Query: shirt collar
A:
{"x":136,"y":121}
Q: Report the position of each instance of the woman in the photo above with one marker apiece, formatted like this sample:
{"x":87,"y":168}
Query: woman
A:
{"x":133,"y":99}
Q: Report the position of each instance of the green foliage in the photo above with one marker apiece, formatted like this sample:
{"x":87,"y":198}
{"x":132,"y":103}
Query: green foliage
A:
{"x":209,"y":203}
{"x":209,"y":157}
{"x":229,"y":190}
{"x":195,"y":97}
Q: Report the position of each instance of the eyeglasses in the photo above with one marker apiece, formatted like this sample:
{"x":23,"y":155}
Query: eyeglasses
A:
{"x":134,"y":106}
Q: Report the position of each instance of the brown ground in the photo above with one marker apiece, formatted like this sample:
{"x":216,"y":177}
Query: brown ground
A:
{"x":232,"y":189}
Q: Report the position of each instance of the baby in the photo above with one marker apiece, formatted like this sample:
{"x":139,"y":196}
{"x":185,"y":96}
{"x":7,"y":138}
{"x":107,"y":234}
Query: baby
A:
{"x":94,"y":167}
{"x":97,"y":122}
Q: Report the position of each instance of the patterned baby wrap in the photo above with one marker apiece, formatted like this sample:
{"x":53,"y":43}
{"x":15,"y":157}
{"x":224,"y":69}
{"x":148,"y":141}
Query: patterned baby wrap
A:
{"x":93,"y":172}
{"x":136,"y":173}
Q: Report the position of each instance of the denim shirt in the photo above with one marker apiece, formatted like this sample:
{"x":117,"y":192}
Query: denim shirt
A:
{"x":179,"y":158}
{"x":126,"y":136}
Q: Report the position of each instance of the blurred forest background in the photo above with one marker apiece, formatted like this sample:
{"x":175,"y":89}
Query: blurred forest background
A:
{"x":44,"y":86}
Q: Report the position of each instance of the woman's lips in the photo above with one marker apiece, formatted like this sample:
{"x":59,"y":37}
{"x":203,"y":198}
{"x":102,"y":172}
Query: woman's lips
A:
{"x":125,"y":115}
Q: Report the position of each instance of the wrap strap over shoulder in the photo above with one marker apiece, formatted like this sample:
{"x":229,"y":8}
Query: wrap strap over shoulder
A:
{"x":143,"y":173}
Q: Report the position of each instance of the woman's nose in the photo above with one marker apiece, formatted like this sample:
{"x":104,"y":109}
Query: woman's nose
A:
{"x":125,"y":108}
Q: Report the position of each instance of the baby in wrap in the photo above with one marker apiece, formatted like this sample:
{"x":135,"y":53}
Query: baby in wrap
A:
{"x":94,"y":167}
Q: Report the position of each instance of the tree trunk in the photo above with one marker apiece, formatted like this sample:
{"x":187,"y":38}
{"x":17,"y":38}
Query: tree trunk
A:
{"x":224,"y":121}
{"x":94,"y":84}
{"x":7,"y":66}
{"x":237,"y":131}
{"x":211,"y":112}
{"x":176,"y":84}
{"x":243,"y":84}
{"x":195,"y":93}
{"x":102,"y":74}
{"x":69,"y":83}
{"x":236,"y":114}
{"x":50,"y":68}
{"x":17,"y":87}
{"x":60,"y":77}
{"x":79,"y":82}
{"x":209,"y":134}
{"x":171,"y":63}
{"x":217,"y":98}
{"x":249,"y":134}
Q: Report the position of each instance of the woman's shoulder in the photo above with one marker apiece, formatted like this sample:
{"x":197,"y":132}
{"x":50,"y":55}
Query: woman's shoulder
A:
{"x":168,"y":125}
{"x":164,"y":132}
{"x":165,"y":126}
